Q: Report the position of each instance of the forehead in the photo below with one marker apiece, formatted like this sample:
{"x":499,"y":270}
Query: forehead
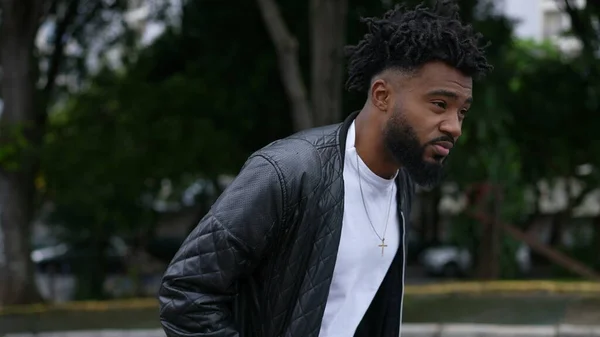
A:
{"x":437,"y":76}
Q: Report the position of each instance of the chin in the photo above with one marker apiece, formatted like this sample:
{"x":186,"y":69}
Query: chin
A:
{"x":436,"y":159}
{"x":428,"y":173}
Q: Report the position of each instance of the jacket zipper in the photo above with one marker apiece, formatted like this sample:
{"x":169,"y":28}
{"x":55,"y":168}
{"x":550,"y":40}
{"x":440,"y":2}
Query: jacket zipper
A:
{"x":403,"y":267}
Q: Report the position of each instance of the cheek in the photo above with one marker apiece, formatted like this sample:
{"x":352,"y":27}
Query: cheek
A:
{"x":427,"y":125}
{"x":423,"y":122}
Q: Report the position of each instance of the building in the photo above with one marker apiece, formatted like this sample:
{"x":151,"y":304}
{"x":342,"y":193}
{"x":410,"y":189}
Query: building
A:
{"x":542,"y":20}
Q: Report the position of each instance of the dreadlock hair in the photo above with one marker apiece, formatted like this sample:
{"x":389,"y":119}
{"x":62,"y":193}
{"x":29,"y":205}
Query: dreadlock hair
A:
{"x":407,"y":39}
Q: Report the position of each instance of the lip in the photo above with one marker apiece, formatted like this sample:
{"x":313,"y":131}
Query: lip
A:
{"x":443,"y":148}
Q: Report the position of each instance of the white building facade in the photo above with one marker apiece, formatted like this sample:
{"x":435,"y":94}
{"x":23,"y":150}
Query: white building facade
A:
{"x":542,"y":20}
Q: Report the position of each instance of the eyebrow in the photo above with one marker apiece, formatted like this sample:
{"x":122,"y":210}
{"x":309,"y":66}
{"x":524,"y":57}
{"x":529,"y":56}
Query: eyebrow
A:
{"x":449,"y":94}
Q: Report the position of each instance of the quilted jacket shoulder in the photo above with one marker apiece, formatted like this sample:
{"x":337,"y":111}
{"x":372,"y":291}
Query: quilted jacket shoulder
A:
{"x":301,"y":159}
{"x":223,"y":280}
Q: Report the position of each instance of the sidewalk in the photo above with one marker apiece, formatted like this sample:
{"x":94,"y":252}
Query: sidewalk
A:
{"x":408,"y":330}
{"x":486,"y":330}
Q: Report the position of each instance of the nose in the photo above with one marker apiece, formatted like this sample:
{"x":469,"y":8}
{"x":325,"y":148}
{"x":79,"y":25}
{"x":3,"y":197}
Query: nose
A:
{"x":452,"y":127}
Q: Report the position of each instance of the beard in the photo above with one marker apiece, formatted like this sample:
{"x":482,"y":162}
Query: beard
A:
{"x":404,"y":146}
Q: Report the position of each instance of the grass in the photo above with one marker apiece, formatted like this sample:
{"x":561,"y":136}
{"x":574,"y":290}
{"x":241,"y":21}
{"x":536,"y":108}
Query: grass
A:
{"x":487,"y":309}
{"x":493,"y":309}
{"x":80,"y":320}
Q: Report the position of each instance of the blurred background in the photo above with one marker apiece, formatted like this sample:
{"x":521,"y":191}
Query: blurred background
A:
{"x":123,"y":120}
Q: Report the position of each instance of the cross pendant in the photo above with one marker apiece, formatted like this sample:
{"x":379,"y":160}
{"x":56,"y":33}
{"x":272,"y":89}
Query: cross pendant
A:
{"x":382,"y":245}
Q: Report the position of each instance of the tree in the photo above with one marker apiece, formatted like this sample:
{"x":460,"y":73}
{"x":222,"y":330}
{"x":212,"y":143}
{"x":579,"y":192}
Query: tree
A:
{"x":118,"y":141}
{"x":540,"y":139}
{"x":584,"y":27}
{"x":28,"y":90}
{"x":19,"y":129}
{"x":158,"y":119}
{"x":328,"y":35}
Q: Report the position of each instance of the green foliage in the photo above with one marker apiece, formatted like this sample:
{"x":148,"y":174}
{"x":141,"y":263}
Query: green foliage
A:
{"x":175,"y":109}
{"x":487,"y":152}
{"x":123,"y":136}
{"x":14,"y":148}
{"x":509,"y":266}
{"x":533,"y":119}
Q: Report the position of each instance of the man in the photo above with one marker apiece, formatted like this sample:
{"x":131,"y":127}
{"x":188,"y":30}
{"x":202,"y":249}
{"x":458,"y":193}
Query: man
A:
{"x":309,"y":239}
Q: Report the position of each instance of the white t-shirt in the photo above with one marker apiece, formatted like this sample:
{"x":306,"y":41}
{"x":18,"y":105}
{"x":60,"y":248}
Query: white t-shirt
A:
{"x":360,"y":267}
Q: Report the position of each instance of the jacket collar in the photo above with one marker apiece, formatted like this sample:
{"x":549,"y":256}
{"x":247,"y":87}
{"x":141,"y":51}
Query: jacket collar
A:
{"x":343,"y":132}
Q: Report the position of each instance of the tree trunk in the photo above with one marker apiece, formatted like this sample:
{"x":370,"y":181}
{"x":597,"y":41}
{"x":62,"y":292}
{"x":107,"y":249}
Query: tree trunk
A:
{"x":596,"y":240}
{"x":328,"y":35}
{"x":435,"y":216}
{"x":428,"y":216}
{"x":551,"y":254}
{"x":286,"y":46}
{"x":431,"y":215}
{"x":20,"y":22}
{"x":558,"y":227}
{"x":91,"y":271}
{"x":489,"y":246}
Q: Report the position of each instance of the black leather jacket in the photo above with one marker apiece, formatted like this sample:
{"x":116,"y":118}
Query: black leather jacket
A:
{"x":260,"y":263}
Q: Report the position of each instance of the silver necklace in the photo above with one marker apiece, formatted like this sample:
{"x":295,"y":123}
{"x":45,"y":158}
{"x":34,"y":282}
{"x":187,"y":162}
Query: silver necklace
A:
{"x":381,"y":237}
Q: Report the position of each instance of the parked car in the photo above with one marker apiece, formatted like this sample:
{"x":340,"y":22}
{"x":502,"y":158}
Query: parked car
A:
{"x":453,"y":261}
{"x":448,"y":261}
{"x":61,"y":257}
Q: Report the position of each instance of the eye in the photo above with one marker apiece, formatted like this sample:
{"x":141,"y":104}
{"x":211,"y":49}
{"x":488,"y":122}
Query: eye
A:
{"x":440,"y":104}
{"x":463,"y":113}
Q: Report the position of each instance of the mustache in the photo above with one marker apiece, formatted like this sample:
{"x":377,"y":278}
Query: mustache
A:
{"x":444,"y":138}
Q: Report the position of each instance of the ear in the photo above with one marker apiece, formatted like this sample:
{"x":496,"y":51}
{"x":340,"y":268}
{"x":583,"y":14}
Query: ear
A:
{"x":381,"y":94}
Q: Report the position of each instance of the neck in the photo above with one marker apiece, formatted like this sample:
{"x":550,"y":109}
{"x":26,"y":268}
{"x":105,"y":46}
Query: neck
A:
{"x":370,"y":147}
